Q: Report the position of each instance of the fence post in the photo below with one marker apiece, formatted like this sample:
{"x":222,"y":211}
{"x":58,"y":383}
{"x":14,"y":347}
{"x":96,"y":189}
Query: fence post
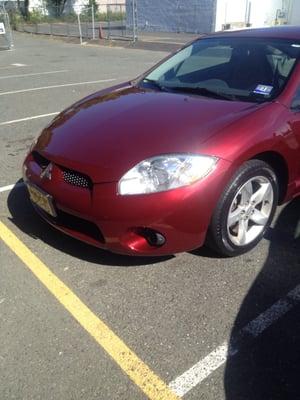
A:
{"x":10,"y":38}
{"x":93,"y":21}
{"x":108,"y":20}
{"x":79,"y":27}
{"x":123,"y":11}
{"x":134,"y":20}
{"x":101,"y":36}
{"x":5,"y":29}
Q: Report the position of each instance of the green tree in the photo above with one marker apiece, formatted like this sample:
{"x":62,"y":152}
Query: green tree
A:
{"x":23,"y":10}
{"x":56,"y":7}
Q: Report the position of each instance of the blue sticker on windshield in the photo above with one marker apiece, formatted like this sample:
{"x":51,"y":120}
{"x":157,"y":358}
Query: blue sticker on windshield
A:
{"x":263,"y":89}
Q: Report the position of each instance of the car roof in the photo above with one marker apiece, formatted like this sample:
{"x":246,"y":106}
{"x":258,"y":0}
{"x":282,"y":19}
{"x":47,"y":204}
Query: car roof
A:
{"x":282,"y":32}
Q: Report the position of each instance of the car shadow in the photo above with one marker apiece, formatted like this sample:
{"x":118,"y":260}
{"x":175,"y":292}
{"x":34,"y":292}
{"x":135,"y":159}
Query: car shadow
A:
{"x":268,"y":367}
{"x":206,"y":252}
{"x":27,"y":220}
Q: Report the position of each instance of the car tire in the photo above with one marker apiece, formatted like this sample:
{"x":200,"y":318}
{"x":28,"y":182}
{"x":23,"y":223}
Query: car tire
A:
{"x":245,"y":209}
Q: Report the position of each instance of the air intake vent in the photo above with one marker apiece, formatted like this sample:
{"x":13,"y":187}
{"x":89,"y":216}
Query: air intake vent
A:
{"x":40,"y":160}
{"x":75,"y":178}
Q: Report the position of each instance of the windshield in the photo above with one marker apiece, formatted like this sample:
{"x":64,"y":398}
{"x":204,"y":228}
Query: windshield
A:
{"x":249,"y":69}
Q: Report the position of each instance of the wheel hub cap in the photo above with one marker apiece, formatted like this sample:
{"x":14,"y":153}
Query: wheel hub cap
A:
{"x":250,"y":211}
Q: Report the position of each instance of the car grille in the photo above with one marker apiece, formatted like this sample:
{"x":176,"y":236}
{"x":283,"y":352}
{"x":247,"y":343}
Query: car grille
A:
{"x":75,"y":178}
{"x":71,"y":177}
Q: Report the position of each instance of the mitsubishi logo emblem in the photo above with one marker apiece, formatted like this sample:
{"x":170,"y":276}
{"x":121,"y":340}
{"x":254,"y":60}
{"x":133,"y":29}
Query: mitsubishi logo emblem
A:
{"x":46,"y":173}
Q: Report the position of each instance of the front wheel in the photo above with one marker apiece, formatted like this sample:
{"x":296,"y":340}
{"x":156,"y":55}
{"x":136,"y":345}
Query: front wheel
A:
{"x":245,"y":210}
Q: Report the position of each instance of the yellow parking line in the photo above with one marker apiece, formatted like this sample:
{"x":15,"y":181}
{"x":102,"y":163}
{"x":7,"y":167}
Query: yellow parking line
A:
{"x":128,"y":361}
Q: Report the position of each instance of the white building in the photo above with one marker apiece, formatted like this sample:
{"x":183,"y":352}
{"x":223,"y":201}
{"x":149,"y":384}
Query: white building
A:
{"x":103,"y":5}
{"x":294,"y":17}
{"x":232,"y":14}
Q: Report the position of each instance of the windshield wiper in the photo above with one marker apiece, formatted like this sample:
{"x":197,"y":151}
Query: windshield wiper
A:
{"x":155,"y":83}
{"x":202,"y":91}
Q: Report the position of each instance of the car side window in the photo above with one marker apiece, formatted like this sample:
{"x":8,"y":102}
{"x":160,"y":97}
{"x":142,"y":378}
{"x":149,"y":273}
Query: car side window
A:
{"x":295,"y":106}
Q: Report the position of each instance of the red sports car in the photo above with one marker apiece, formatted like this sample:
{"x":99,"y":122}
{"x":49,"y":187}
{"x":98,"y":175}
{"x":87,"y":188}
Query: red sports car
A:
{"x":200,"y":149}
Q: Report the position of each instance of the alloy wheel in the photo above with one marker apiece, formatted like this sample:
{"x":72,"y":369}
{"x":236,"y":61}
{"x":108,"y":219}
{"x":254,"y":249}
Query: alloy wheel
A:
{"x":250,"y":210}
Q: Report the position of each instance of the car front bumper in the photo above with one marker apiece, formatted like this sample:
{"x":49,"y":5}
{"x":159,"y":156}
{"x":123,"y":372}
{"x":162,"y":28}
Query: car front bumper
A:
{"x":129,"y":224}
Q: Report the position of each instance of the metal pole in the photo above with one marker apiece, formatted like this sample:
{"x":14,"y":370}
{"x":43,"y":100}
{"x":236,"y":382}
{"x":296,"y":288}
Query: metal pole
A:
{"x":246,"y":12}
{"x":93,"y":21}
{"x":10,"y":38}
{"x":79,"y":27}
{"x":249,"y":13}
{"x":134,"y":20}
{"x":290,"y":11}
{"x":108,"y":20}
{"x":123,"y":20}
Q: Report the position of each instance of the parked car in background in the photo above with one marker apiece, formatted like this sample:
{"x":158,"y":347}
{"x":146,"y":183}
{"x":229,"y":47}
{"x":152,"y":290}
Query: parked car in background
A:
{"x":201,"y":149}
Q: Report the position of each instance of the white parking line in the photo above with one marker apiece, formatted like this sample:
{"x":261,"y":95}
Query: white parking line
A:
{"x":202,"y":369}
{"x":56,"y":86}
{"x":16,"y":65}
{"x":13,"y":121}
{"x":34,"y":74}
{"x":19,"y":65}
{"x":10,"y":187}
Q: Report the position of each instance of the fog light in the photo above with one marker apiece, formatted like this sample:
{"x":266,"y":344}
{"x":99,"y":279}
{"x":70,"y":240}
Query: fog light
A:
{"x":154,"y":238}
{"x":24,"y":172}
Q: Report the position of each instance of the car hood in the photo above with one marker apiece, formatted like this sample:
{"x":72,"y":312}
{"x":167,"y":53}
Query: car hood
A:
{"x":109,"y":132}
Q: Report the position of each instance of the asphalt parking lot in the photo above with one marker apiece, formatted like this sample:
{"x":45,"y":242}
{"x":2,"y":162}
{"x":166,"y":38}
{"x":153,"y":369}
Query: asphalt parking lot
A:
{"x":81,"y":323}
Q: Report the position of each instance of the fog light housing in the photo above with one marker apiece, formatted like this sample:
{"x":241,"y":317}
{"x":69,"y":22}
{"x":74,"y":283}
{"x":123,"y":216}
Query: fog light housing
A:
{"x":154,"y":238}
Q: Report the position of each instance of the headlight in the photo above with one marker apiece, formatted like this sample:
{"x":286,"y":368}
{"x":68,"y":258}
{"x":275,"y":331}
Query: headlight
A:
{"x":167,"y":172}
{"x":33,"y":144}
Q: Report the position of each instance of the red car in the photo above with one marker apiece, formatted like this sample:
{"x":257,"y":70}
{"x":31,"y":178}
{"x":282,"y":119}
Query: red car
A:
{"x":202,"y":148}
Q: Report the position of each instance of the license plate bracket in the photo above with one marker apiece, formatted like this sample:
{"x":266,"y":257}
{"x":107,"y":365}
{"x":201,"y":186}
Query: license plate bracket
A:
{"x":41,"y":199}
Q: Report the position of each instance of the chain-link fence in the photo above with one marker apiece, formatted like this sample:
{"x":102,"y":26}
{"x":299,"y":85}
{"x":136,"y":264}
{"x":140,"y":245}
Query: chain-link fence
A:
{"x":85,"y":21}
{"x":120,"y":28}
{"x":6,"y":40}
